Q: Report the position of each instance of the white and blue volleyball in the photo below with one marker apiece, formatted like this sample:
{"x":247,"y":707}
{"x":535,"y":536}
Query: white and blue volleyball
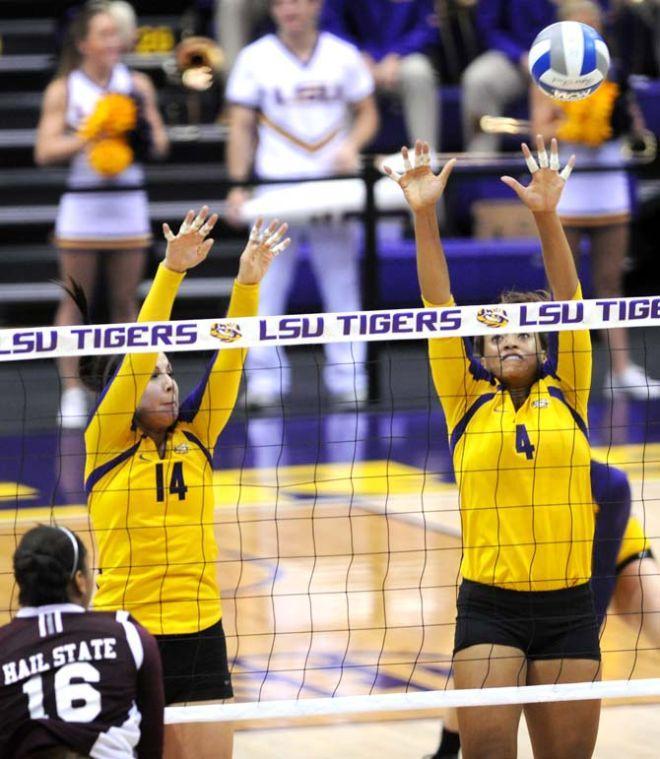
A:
{"x":569,"y":60}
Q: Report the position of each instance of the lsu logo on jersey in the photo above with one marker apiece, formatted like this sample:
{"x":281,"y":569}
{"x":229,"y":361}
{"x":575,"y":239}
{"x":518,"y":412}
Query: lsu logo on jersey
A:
{"x":493,"y":317}
{"x":226,"y":333}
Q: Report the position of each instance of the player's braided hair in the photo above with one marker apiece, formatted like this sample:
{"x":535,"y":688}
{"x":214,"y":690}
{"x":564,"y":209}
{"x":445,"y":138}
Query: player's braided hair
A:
{"x":516,"y":296}
{"x":94,"y":371}
{"x":44,"y":565}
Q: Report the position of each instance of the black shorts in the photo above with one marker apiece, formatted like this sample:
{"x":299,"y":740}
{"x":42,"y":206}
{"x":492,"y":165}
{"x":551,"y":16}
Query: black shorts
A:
{"x":546,"y":624}
{"x":195,"y":665}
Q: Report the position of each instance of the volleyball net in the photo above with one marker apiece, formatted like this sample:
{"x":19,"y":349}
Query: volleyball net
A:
{"x":338,"y":522}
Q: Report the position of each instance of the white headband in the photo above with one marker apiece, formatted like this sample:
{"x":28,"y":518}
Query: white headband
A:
{"x":74,"y":542}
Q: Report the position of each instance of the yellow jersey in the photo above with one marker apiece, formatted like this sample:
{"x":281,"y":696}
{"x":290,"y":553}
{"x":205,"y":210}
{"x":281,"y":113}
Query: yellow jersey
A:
{"x":154,"y":517}
{"x":523,"y":475}
{"x":634,"y":544}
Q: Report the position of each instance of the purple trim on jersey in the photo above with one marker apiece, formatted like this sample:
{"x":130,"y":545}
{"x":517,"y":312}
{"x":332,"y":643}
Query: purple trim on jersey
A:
{"x":96,"y":475}
{"x":299,"y":61}
{"x":459,"y":429}
{"x":647,"y":553}
{"x":549,"y":366}
{"x":610,"y":489}
{"x":476,"y":368}
{"x":190,"y":406}
{"x":194,"y":439}
{"x":555,"y":392}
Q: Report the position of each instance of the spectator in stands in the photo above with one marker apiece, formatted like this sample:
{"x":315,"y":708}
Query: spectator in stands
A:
{"x":301,"y":105}
{"x":235,"y":22}
{"x":500,"y":75}
{"x":126,"y":20}
{"x":395,"y":39}
{"x":597,"y":205}
{"x":94,"y":227}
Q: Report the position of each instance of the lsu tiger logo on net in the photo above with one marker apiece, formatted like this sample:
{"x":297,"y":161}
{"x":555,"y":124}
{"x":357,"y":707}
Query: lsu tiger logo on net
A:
{"x":226,"y":333}
{"x":493,"y":317}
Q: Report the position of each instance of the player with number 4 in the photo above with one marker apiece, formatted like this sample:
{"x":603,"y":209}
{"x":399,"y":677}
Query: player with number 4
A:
{"x":149,"y":479}
{"x":516,"y":411}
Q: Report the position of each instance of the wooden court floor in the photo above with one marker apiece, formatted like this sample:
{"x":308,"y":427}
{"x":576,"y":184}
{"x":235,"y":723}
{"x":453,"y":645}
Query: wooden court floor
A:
{"x":341,"y":581}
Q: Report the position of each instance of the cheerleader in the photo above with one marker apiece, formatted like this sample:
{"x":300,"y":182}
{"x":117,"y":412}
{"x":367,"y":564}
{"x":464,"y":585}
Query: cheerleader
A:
{"x":103,"y":217}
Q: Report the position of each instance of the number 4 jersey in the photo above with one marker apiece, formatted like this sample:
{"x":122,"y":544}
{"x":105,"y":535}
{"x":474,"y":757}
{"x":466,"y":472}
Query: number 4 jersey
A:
{"x":88,"y":681}
{"x":524,"y":475}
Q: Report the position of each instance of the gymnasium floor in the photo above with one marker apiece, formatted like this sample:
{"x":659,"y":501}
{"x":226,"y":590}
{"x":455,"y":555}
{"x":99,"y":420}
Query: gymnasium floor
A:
{"x":339,"y":544}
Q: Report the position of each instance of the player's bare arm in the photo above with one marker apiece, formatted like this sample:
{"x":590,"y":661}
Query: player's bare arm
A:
{"x":423,"y":189}
{"x":541,"y":196}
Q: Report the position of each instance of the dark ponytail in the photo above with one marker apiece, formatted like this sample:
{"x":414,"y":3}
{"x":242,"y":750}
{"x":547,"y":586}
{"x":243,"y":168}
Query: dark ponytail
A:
{"x":95,"y":371}
{"x":45,"y":562}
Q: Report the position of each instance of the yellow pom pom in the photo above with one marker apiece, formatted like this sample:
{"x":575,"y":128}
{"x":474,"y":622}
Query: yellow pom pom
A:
{"x":114,"y":115}
{"x":110,"y":156}
{"x":589,"y":121}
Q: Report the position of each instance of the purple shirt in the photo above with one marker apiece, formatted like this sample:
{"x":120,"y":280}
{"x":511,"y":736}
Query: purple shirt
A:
{"x":379,"y":27}
{"x":511,"y":26}
{"x":89,"y":681}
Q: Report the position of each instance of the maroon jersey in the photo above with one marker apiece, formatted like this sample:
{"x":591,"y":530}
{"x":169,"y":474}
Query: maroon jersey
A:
{"x":90,"y":681}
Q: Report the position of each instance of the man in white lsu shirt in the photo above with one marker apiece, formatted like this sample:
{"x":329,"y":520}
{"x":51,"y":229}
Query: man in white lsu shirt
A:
{"x":302,"y":105}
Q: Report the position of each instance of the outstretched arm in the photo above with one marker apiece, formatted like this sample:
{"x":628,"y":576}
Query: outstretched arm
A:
{"x":208,"y":408}
{"x":422,"y":189}
{"x":457,"y":378}
{"x":541,"y":196}
{"x":569,"y":351}
{"x":114,"y":415}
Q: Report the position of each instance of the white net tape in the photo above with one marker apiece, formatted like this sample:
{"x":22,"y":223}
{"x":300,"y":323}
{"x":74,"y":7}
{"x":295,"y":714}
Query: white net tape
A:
{"x":309,"y":329}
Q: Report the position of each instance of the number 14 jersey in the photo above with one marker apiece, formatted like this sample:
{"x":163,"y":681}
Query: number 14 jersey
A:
{"x":153,"y":517}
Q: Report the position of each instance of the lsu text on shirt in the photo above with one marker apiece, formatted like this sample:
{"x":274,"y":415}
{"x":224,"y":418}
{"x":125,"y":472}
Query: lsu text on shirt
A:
{"x":304,"y":107}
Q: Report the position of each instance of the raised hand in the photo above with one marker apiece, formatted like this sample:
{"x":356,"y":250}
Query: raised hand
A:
{"x":263,"y":245}
{"x":420,"y":185}
{"x":542,"y":194}
{"x":189,"y":246}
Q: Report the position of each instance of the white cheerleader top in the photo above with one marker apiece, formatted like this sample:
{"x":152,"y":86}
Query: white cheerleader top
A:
{"x":82,"y":97}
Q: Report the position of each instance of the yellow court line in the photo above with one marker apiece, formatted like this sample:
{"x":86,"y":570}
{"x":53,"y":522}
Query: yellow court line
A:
{"x":10,"y":491}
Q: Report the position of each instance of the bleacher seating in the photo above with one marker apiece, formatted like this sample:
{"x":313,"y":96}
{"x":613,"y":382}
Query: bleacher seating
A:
{"x":194,"y":173}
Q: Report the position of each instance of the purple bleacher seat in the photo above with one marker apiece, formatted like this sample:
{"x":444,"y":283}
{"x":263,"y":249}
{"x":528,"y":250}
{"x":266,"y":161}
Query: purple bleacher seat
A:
{"x":392,"y":133}
{"x":480,"y":271}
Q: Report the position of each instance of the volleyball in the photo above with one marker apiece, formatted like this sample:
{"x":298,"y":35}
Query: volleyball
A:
{"x":569,"y":60}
